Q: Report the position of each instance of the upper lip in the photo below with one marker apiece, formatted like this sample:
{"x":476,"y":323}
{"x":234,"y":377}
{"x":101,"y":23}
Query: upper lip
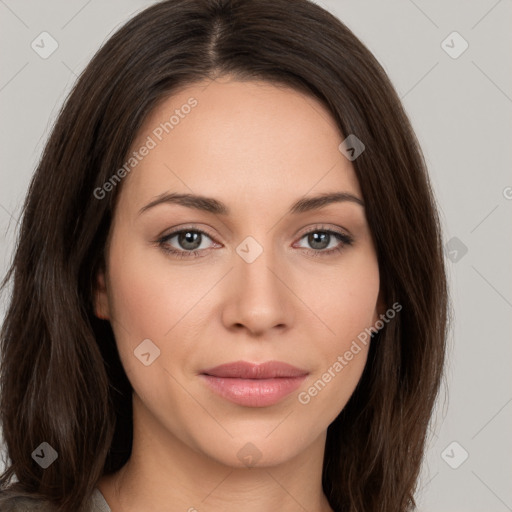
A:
{"x":247,"y":370}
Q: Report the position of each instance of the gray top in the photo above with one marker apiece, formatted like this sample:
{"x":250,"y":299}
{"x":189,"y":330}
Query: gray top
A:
{"x":97,"y":504}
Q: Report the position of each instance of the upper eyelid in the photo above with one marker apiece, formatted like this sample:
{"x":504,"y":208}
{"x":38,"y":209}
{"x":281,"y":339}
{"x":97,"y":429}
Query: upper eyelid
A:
{"x":180,"y":230}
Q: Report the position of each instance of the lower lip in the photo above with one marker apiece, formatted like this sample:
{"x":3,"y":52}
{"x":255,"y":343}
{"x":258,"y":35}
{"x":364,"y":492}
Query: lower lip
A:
{"x":253,"y":392}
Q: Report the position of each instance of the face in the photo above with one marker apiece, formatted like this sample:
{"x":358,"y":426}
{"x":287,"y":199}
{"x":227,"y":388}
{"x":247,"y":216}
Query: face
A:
{"x":243,"y":276}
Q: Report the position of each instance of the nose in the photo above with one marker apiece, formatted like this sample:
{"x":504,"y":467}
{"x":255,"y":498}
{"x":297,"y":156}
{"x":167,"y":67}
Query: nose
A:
{"x":259,"y":298}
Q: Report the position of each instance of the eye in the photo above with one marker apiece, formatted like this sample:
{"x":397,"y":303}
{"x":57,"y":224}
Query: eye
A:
{"x":325,"y":242}
{"x":187,"y":243}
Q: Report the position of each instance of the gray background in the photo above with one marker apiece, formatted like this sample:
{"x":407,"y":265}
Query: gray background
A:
{"x":461,"y":110}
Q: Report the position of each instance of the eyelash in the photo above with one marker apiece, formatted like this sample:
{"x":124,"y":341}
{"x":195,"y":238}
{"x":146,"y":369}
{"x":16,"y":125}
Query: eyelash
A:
{"x":345,"y":240}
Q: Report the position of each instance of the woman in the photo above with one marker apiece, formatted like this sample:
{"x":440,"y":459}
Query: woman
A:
{"x":187,"y":331}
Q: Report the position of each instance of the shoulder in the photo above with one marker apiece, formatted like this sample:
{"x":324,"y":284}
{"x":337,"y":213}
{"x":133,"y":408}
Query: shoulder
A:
{"x":10,"y":502}
{"x":24,"y":504}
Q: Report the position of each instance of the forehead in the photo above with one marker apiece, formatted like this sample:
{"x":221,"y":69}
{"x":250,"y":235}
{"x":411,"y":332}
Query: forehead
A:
{"x":250,"y":141}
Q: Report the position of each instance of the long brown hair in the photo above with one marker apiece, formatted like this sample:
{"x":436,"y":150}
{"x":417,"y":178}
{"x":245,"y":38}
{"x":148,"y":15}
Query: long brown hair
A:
{"x":61,"y":378}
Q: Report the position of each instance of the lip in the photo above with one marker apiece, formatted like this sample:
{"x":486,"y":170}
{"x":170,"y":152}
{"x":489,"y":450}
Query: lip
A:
{"x":252,"y":384}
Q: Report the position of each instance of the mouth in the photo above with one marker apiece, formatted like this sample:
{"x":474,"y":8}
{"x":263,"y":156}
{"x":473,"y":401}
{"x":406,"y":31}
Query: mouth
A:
{"x":254,"y":385}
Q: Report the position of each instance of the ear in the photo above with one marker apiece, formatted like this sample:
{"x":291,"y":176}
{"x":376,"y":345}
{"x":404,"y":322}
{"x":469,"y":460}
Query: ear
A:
{"x":101,"y":306}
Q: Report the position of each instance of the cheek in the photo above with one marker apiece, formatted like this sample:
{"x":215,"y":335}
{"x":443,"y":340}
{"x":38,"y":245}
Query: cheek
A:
{"x":144,"y":305}
{"x":146,"y":299}
{"x":344,"y":299}
{"x":149,"y":304}
{"x":346,"y":305}
{"x":149,"y":299}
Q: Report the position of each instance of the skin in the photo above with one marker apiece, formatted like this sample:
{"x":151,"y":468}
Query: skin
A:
{"x":258,"y":148}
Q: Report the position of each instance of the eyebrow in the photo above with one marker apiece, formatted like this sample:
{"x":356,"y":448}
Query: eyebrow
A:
{"x":211,"y":205}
